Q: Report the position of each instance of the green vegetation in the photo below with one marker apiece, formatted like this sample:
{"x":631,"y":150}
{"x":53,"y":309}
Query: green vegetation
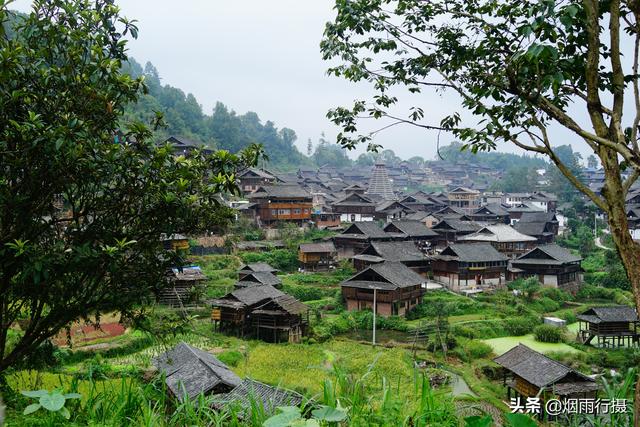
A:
{"x":548,"y":333}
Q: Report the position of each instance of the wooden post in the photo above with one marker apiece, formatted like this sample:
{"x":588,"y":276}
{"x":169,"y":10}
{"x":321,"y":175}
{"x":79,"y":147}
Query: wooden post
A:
{"x":375,"y":310}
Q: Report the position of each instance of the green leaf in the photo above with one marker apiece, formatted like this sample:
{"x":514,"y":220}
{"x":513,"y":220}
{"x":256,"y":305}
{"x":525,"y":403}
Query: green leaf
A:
{"x":35,"y":393}
{"x":65,"y":413}
{"x":329,"y":414}
{"x":52,"y":402}
{"x":478,"y":421}
{"x":519,"y":420}
{"x":287,"y":415}
{"x":31,"y":409}
{"x":72,"y":396}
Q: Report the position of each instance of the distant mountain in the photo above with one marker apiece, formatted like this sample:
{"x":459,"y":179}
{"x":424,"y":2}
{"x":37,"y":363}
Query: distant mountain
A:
{"x":223,"y":129}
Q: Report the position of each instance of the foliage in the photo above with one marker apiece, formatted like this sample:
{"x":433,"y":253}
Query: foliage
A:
{"x":223,"y":128}
{"x":282,"y":259}
{"x":473,"y":349}
{"x":87,"y":195}
{"x":330,"y":154}
{"x":230,"y":357}
{"x":548,"y":333}
{"x":506,"y":162}
{"x":292,"y":416}
{"x":51,"y":401}
{"x":517,"y":180}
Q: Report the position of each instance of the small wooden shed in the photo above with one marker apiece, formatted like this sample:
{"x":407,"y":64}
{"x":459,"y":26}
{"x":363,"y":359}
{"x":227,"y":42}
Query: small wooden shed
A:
{"x":612,"y":327}
{"x":320,"y":256}
{"x":185,"y":284}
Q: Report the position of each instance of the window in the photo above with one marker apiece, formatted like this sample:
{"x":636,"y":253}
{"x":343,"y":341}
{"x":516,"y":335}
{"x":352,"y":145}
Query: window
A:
{"x":353,"y":217}
{"x":274,"y":212}
{"x":306,"y":211}
{"x":284,"y":211}
{"x":297,"y":211}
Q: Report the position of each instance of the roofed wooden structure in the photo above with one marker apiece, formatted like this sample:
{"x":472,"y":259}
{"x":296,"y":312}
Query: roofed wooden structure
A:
{"x":250,"y":392}
{"x":612,"y":327}
{"x":320,"y":256}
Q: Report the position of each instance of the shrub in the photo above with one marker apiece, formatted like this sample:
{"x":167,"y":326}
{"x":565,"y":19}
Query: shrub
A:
{"x":477,"y":349}
{"x":548,"y":333}
{"x":282,"y":259}
{"x":519,"y":326}
{"x":230,"y":357}
{"x":555,"y":294}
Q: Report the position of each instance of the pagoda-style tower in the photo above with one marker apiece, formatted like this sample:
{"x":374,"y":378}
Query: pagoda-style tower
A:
{"x":379,"y":183}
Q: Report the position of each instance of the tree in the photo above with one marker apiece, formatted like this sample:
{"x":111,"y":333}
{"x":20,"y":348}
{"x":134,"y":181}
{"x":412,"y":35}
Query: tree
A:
{"x":518,"y":180}
{"x":309,"y":147}
{"x":84,"y":196}
{"x":515,"y":66}
{"x":592,"y":162}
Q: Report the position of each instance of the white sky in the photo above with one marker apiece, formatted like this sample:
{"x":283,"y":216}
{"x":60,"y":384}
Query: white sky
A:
{"x":264,"y":56}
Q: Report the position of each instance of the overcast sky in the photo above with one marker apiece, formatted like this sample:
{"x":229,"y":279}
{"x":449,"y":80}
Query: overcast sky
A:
{"x":263,"y":56}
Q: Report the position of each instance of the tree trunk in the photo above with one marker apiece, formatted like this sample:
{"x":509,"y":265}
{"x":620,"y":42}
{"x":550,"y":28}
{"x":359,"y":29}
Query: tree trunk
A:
{"x":628,"y":249}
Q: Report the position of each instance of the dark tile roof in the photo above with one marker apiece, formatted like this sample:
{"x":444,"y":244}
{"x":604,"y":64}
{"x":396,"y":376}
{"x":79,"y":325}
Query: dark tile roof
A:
{"x":188,"y":273}
{"x":366,"y":228}
{"x":411,"y":228}
{"x":280,"y":191}
{"x":319,"y":247}
{"x":191,"y":371}
{"x":491,"y":208}
{"x":396,"y":251}
{"x":257,"y":266}
{"x":257,"y":172}
{"x":284,"y":303}
{"x":531,"y":228}
{"x":618,"y":313}
{"x":250,"y":392}
{"x":386,"y":275}
{"x":500,"y":233}
{"x":550,"y":252}
{"x":263,"y":277}
{"x":540,"y":216}
{"x":473,"y":252}
{"x":536,"y":368}
{"x":250,"y":296}
{"x":457,"y":225}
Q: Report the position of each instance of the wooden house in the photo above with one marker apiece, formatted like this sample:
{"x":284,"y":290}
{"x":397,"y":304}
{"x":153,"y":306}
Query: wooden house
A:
{"x":611,"y":327}
{"x":543,"y":226}
{"x":414,"y":231}
{"x":389,"y":210}
{"x":493,"y":213}
{"x":250,"y":179}
{"x":553,"y":265}
{"x":189,"y":371}
{"x":319,"y":256}
{"x":396,"y":288}
{"x":259,"y":278}
{"x":356,"y":237}
{"x":451,"y":230}
{"x":504,"y":238}
{"x":280,"y":319}
{"x":175,"y":242}
{"x":323,"y":220}
{"x":260,"y":311}
{"x":405,"y":252}
{"x":255,"y":267}
{"x":528,"y":373}
{"x":184,"y":147}
{"x":184,"y":287}
{"x":284,"y":203}
{"x":470,"y":267}
{"x":354,"y":207}
{"x":464,"y":198}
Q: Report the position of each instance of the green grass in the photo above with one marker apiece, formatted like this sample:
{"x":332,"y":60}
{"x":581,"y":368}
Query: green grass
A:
{"x":504,"y":344}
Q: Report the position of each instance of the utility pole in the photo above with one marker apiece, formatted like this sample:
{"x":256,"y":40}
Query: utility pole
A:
{"x":595,"y":224}
{"x":375,"y":309}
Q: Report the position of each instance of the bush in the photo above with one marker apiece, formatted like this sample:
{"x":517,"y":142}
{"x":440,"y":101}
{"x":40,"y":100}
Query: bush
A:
{"x":282,"y":259}
{"x":548,"y":333}
{"x":519,"y":326}
{"x":477,"y":349}
{"x":555,"y":294}
{"x":230,"y":357}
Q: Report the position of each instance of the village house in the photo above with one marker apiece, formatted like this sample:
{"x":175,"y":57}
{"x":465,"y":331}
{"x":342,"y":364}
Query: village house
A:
{"x":189,"y":371}
{"x":389,"y":210}
{"x":184,"y":288}
{"x":553,"y":265}
{"x":470,"y":267}
{"x":325,"y":220}
{"x":543,"y":226}
{"x":262,"y":312}
{"x":451,"y":230}
{"x":466,"y":199}
{"x":529,"y":374}
{"x":258,"y":278}
{"x":255,"y":267}
{"x":175,"y":242}
{"x":319,"y":256}
{"x":285,"y":203}
{"x":355,"y":238}
{"x":184,"y":146}
{"x":405,"y":252}
{"x":414,"y":231}
{"x":250,"y":179}
{"x":504,"y":238}
{"x":612,"y":327}
{"x":491,"y":213}
{"x":395,"y":287}
{"x":354,"y":207}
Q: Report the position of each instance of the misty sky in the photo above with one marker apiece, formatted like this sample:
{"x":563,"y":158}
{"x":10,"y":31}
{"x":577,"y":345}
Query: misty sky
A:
{"x":263,"y":56}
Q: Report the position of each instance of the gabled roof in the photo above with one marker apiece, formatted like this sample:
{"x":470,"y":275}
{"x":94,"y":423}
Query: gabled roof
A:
{"x":256,"y":172}
{"x":491,"y":209}
{"x":257,"y":266}
{"x":391,"y":204}
{"x":365,"y":228}
{"x":531,"y":228}
{"x":188,"y":273}
{"x":354,"y":199}
{"x":181,"y":141}
{"x":251,"y":391}
{"x":387,"y":275}
{"x":395,"y":251}
{"x":248,"y":296}
{"x":448,"y":210}
{"x":472,"y":252}
{"x":411,"y":228}
{"x":539,"y":216}
{"x":284,"y":303}
{"x":548,"y":254}
{"x":280,"y":191}
{"x":320,"y":247}
{"x":262,"y":277}
{"x":617,"y":313}
{"x":457,"y":225}
{"x":464,"y":190}
{"x":191,"y":371}
{"x":499,"y":233}
{"x":536,"y":368}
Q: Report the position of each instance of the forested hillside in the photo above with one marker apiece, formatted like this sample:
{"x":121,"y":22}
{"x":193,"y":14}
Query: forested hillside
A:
{"x":223,"y":128}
